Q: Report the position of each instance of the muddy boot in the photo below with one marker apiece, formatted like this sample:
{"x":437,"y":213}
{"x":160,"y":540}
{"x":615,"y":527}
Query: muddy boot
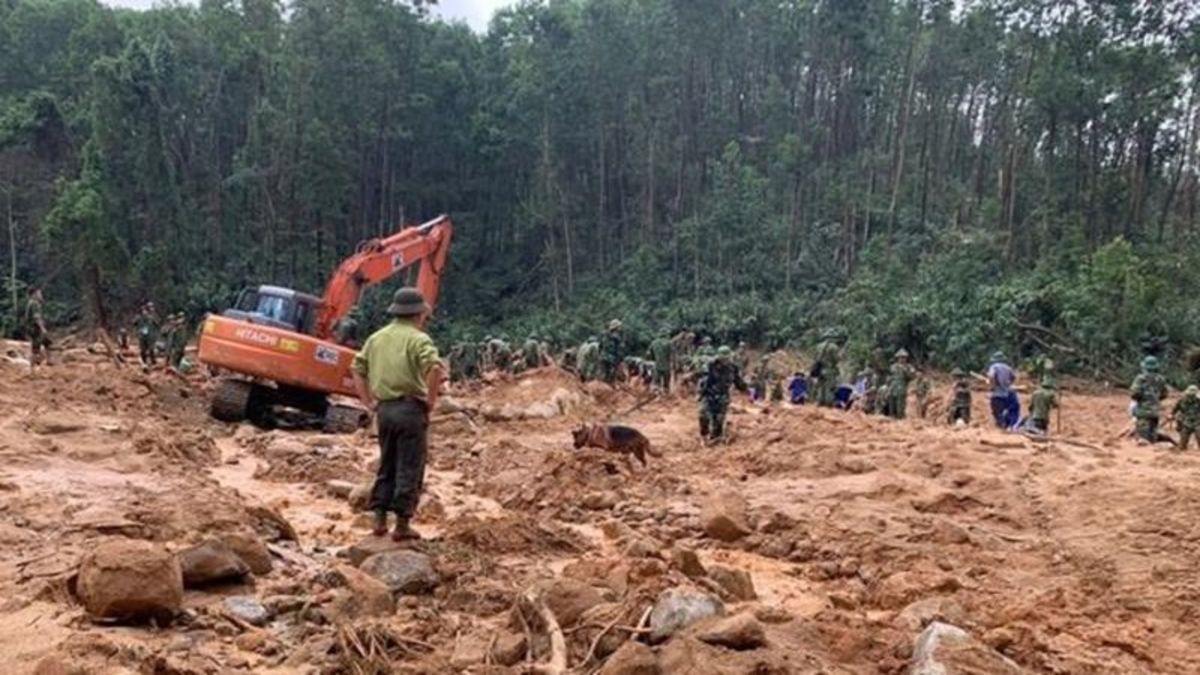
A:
{"x":404,"y":531}
{"x":380,"y":527}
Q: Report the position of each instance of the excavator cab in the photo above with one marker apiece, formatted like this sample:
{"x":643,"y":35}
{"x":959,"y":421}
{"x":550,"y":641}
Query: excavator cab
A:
{"x":276,"y":307}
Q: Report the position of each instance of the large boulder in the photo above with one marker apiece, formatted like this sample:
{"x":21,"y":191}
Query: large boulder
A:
{"x":677,"y":608}
{"x":740,"y":632}
{"x":569,"y":599}
{"x":633,"y":658}
{"x":404,"y":572}
{"x":130,"y":580}
{"x":724,"y":517}
{"x":944,"y":649}
{"x":362,"y":595}
{"x":210,"y":562}
{"x":736,"y":583}
{"x":251,"y":549}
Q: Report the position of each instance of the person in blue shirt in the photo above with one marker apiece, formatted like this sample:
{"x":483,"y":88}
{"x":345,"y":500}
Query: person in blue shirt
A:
{"x":1006,"y":406}
{"x":798,"y":389}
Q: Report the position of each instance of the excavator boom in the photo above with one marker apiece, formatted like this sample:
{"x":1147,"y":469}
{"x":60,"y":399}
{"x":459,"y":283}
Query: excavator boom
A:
{"x":380,"y":259}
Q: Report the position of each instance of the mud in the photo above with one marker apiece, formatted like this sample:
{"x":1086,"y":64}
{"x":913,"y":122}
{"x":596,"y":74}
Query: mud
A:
{"x":1063,"y":557}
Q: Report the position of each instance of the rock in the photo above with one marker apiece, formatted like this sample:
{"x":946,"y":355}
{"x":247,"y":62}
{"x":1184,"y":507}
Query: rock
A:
{"x":286,"y":604}
{"x":921,"y":613}
{"x":360,"y":497}
{"x":677,"y":608}
{"x":615,"y":529}
{"x":372,"y":545}
{"x":724,"y":518}
{"x":367,"y":596}
{"x":51,"y":424}
{"x":642,"y":547}
{"x":944,"y":649}
{"x":777,"y":522}
{"x":773,"y":615}
{"x":949,"y":532}
{"x":740,"y":632}
{"x":686,"y":561}
{"x":129,"y":580}
{"x":252,"y":550}
{"x":56,"y":665}
{"x":854,"y":464}
{"x":599,"y":501}
{"x":468,"y":651}
{"x":271,"y":525}
{"x":689,"y":656}
{"x":247,"y":609}
{"x":253,"y":642}
{"x":569,"y":599}
{"x":340,"y":488}
{"x":633,"y":658}
{"x":737,"y":583}
{"x":210,"y":562}
{"x":509,"y":649}
{"x":405,"y":572}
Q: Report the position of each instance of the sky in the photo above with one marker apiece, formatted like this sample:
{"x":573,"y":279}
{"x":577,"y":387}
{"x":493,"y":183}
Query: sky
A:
{"x":474,"y":12}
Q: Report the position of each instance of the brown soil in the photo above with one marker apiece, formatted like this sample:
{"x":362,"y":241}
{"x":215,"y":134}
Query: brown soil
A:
{"x":1067,"y":557}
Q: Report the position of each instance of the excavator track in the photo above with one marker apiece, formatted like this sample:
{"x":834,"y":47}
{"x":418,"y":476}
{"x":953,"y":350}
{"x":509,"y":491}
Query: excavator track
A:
{"x":232,"y":401}
{"x":344,"y":419}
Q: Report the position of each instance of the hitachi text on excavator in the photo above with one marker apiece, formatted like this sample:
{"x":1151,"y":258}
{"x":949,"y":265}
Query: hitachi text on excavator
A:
{"x":276,"y":344}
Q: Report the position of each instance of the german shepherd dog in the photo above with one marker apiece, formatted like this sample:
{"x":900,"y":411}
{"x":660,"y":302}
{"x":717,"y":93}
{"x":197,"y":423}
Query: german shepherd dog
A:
{"x":625,"y":440}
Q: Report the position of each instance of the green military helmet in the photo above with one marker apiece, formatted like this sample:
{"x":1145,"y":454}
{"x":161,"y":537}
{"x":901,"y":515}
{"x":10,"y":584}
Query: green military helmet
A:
{"x":958,"y":372}
{"x":615,"y":324}
{"x":1150,"y":364}
{"x":707,"y":340}
{"x":1192,"y":391}
{"x":998,"y":356}
{"x":902,"y":353}
{"x":724,"y":353}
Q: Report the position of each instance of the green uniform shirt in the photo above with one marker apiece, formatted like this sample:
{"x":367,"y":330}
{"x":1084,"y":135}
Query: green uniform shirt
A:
{"x":1148,"y":390}
{"x":33,"y":316}
{"x":395,"y":361}
{"x":662,"y":351}
{"x":1187,"y":413}
{"x":1043,"y":401}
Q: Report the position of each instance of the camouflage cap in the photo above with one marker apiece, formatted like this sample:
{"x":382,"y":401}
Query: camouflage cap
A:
{"x":1192,"y":391}
{"x":902,"y":353}
{"x":1150,"y":364}
{"x":615,"y":324}
{"x":724,"y":352}
{"x":958,"y":372}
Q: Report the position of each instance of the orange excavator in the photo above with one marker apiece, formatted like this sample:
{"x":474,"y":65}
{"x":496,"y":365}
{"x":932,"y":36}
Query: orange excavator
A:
{"x":279,"y":344}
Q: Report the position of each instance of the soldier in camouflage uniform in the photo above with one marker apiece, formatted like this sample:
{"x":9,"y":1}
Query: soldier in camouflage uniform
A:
{"x":176,"y":339}
{"x":898,"y":378}
{"x":147,"y":331}
{"x":960,"y":404}
{"x":35,"y":328}
{"x":825,"y":369}
{"x":720,"y":375}
{"x":741,"y":358}
{"x":589,"y":360}
{"x":612,"y":351}
{"x":1148,"y":391}
{"x":1043,"y":401}
{"x":922,"y":390}
{"x":684,"y":346}
{"x":502,"y":356}
{"x":533,"y":352}
{"x":1187,"y":417}
{"x":662,"y":352}
{"x":470,"y":361}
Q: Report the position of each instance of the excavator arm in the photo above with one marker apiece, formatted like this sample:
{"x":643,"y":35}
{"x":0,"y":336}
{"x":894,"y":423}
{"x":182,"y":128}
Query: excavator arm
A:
{"x":378,"y":260}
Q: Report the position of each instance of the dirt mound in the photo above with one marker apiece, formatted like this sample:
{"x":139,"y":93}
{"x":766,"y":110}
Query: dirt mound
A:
{"x":187,"y":447}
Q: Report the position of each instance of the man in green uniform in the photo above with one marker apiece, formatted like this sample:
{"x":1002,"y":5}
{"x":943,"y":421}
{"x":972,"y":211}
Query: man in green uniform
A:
{"x":533,"y":352}
{"x":35,"y":327}
{"x":1148,"y":391}
{"x":719,"y":377}
{"x":662,"y":352}
{"x":502,"y":357}
{"x":705,"y":353}
{"x":898,"y":378}
{"x":486,"y":362}
{"x":684,"y":346}
{"x":1043,"y":401}
{"x":612,"y":351}
{"x":825,"y":369}
{"x":147,"y":331}
{"x":960,"y":403}
{"x":176,"y":340}
{"x":398,"y":375}
{"x":1187,"y":417}
{"x":470,"y":360}
{"x":589,"y":359}
{"x":922,"y":389}
{"x":456,"y":363}
{"x":741,"y":358}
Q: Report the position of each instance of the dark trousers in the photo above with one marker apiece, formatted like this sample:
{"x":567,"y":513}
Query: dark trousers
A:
{"x":403,"y":438}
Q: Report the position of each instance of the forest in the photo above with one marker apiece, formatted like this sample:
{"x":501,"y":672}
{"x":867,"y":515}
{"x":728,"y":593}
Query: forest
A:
{"x":948,"y":176}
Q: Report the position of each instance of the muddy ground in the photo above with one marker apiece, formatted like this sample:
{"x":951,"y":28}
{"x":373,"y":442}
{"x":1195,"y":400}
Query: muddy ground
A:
{"x":834,"y":540}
